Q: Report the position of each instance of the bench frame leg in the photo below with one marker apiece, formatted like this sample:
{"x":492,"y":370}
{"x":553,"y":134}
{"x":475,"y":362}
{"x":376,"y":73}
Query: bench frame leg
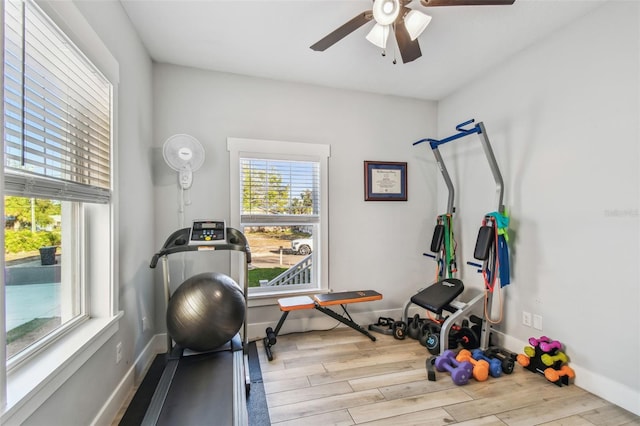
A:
{"x":347,"y":320}
{"x":265,"y":340}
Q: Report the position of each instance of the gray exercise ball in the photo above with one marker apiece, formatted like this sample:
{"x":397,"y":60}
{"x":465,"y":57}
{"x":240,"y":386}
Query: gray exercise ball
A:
{"x":205,"y":312}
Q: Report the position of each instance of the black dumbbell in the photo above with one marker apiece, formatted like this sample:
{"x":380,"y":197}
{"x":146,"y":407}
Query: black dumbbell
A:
{"x":507,"y":358}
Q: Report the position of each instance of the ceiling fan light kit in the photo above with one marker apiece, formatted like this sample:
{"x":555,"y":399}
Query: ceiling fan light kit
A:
{"x":407,"y":24}
{"x":379,"y":35}
{"x":416,"y":23}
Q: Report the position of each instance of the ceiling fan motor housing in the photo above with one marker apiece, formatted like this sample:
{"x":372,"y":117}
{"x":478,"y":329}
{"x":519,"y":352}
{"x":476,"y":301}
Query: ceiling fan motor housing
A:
{"x":385,"y":12}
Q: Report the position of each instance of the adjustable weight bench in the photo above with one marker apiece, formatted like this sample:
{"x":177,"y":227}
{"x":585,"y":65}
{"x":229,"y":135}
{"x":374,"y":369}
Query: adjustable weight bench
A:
{"x":440,"y":297}
{"x":321,"y":302}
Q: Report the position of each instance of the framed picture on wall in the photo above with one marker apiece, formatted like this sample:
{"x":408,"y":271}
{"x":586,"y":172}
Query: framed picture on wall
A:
{"x":385,"y":181}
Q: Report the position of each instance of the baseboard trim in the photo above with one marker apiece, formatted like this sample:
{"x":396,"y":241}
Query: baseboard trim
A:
{"x":133,"y":377}
{"x":605,"y":388}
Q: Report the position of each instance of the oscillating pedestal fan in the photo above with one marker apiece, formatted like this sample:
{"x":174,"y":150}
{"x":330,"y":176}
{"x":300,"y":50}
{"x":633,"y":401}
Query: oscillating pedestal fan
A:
{"x":184,"y":154}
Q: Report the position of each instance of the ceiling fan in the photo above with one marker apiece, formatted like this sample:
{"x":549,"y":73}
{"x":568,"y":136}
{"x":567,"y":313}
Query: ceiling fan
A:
{"x":406,"y":23}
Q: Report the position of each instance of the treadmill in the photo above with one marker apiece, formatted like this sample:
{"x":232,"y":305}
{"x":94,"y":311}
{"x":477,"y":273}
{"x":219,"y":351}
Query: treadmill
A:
{"x":210,"y":387}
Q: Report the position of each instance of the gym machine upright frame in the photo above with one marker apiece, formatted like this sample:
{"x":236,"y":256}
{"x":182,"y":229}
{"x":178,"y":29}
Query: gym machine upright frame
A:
{"x":463,"y":308}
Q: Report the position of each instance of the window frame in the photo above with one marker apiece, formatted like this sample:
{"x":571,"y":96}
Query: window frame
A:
{"x":29,"y":383}
{"x":281,"y":150}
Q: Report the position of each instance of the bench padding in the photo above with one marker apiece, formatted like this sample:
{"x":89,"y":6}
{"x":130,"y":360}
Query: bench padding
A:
{"x":438,"y":295}
{"x":296,"y":303}
{"x":345,"y":297}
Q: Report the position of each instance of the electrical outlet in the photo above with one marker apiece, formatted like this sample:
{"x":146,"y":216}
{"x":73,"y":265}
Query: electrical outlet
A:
{"x":145,"y":324}
{"x":118,"y":352}
{"x":537,"y":322}
{"x":526,"y":318}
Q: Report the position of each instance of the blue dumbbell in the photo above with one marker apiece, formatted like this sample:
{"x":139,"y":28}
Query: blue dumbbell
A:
{"x":495,"y":366}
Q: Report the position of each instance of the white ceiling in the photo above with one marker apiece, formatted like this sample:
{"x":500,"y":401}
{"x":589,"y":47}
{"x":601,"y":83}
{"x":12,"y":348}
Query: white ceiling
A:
{"x":271,"y":39}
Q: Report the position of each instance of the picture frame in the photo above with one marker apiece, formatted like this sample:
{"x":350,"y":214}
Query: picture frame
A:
{"x":385,"y":181}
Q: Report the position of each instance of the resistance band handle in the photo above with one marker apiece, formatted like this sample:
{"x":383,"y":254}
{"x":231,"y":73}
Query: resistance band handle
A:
{"x":433,"y":256}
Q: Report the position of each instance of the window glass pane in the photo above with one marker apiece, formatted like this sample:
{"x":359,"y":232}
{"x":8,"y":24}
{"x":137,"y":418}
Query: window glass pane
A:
{"x":38,"y":299}
{"x":281,"y":256}
{"x":279,"y":187}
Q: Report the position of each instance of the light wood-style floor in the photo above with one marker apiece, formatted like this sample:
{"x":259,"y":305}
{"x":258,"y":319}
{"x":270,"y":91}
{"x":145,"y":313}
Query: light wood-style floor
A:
{"x":340,"y":377}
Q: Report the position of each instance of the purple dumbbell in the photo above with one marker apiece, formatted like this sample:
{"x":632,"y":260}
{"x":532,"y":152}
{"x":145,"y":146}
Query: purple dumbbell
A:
{"x":535,"y":342}
{"x":550,"y":346}
{"x":460,"y":371}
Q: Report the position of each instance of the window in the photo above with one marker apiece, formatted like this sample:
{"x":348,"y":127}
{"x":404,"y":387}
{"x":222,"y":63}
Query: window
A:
{"x":279,"y":201}
{"x":57,"y":152}
{"x":58,"y":268}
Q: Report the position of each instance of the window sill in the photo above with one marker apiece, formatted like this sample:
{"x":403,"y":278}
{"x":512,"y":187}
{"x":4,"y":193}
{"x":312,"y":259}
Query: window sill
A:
{"x":32,"y":383}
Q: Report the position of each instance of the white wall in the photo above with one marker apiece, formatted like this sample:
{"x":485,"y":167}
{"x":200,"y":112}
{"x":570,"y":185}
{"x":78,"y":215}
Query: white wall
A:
{"x":562,"y":117}
{"x":81,"y":398}
{"x":373,"y":245}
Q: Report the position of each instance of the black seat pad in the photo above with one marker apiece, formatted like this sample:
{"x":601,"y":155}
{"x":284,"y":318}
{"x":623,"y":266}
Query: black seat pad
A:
{"x":438,"y":295}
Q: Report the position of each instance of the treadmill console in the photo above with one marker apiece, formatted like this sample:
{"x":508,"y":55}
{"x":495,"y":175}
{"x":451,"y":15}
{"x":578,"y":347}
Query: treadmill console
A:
{"x":207,"y":233}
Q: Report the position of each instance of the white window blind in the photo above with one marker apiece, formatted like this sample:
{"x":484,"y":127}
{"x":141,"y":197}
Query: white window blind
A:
{"x":276,"y":190}
{"x":57,"y":135}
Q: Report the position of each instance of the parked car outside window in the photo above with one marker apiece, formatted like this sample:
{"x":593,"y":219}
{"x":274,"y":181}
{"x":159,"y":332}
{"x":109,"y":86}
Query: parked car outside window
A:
{"x":302,"y":246}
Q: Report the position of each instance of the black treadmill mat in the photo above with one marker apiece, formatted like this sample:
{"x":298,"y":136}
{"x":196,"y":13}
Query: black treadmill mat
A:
{"x":201,"y":391}
{"x":138,"y":406}
{"x":256,"y":400}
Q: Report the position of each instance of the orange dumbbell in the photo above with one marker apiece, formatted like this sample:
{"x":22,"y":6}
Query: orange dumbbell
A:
{"x":554,"y":375}
{"x":480,"y":367}
{"x":523,"y":360}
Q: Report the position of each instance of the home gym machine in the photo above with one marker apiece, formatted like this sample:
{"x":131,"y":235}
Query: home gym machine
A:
{"x":205,"y":379}
{"x":439,"y":297}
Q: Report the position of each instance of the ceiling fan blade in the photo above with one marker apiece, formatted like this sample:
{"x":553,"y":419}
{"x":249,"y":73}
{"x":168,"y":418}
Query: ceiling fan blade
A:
{"x":431,"y":3}
{"x":343,"y":31}
{"x":409,"y":49}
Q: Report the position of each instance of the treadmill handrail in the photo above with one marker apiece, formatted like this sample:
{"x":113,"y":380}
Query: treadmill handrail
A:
{"x":178,"y":242}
